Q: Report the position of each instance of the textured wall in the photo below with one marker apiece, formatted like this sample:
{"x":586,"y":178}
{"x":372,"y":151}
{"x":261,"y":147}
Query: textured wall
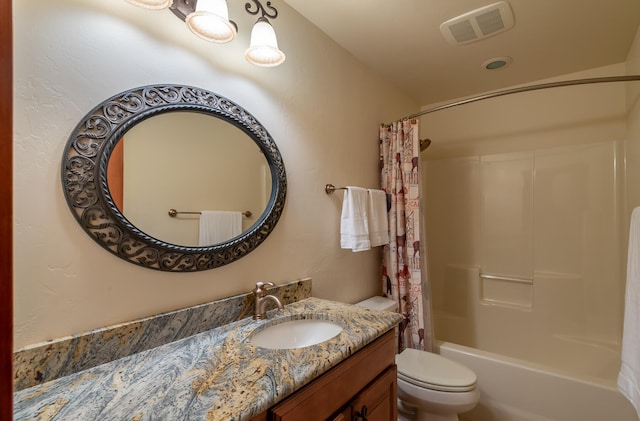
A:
{"x":322,"y":107}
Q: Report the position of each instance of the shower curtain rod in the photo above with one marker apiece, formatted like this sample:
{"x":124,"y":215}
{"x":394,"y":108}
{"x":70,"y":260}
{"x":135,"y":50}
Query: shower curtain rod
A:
{"x":495,"y":94}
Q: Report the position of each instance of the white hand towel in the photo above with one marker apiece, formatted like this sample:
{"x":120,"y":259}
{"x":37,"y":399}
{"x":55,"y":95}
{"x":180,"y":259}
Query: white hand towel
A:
{"x":378,"y":221}
{"x":218,"y":226}
{"x":629,"y":376}
{"x":354,"y":225}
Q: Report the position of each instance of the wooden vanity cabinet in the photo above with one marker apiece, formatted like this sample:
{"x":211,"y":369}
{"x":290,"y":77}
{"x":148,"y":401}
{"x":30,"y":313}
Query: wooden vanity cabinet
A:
{"x":377,"y":402}
{"x":361,"y":388}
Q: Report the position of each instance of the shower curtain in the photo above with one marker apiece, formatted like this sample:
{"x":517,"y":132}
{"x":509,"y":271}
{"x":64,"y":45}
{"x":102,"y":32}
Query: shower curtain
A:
{"x":402,"y":277}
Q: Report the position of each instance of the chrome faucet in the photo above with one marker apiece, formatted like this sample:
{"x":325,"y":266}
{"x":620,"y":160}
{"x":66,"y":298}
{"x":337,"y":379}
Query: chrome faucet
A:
{"x":260,"y":300}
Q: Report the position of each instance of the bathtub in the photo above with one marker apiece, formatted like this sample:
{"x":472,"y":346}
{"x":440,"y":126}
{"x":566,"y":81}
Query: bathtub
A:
{"x":517,"y":390}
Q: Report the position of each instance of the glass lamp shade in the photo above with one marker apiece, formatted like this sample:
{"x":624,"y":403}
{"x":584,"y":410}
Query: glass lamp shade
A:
{"x":263,"y":50}
{"x":210,"y":21}
{"x":151,"y":4}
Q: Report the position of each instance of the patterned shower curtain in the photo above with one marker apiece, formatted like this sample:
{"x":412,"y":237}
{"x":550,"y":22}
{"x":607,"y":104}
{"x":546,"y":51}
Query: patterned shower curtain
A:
{"x":402,"y":277}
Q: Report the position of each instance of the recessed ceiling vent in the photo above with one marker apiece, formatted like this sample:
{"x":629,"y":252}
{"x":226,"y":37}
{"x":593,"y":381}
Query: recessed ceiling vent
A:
{"x":478,"y":24}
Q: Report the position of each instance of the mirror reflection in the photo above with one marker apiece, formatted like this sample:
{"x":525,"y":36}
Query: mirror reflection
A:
{"x":209,"y":171}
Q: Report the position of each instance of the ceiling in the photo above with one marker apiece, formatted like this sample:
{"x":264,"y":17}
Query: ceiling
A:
{"x":401,"y":40}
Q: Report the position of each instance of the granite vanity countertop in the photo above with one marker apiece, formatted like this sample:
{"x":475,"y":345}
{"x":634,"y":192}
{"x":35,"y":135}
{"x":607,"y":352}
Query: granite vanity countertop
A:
{"x":214,"y":375}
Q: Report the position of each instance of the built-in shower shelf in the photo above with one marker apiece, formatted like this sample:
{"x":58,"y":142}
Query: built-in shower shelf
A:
{"x":506,"y":291}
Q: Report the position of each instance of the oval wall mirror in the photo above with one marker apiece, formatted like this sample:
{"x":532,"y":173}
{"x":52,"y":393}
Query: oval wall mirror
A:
{"x":141,"y":169}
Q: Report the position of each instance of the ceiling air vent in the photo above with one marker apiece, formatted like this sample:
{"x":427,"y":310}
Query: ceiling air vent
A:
{"x":477,"y":24}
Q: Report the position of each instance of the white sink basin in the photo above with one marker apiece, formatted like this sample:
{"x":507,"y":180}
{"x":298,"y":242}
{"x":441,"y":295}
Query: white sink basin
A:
{"x":295,"y":334}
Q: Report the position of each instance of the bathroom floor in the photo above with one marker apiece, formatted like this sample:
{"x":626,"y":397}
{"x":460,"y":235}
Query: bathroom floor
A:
{"x":405,"y":417}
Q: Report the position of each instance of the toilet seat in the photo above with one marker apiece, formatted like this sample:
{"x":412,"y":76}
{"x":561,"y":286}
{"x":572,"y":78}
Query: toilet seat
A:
{"x":432,"y":371}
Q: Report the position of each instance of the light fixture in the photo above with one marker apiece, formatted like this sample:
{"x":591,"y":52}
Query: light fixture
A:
{"x":263,"y":50}
{"x":496,"y":63}
{"x":151,"y":4}
{"x":209,"y":20}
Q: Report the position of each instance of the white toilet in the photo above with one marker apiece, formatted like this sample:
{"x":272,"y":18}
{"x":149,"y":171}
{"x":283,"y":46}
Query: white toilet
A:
{"x":430,"y":387}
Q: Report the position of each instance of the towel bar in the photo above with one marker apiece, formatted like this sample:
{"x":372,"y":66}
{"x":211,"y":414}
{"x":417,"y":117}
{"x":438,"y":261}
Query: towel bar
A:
{"x":173,"y":213}
{"x":330,"y":188}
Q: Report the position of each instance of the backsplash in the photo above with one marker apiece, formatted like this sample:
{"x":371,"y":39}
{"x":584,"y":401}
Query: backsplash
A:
{"x":40,"y":363}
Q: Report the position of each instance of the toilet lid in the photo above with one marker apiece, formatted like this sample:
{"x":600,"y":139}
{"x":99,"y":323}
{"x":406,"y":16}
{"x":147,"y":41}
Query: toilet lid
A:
{"x":432,"y":371}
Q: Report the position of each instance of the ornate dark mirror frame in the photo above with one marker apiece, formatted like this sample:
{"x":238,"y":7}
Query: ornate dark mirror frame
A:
{"x":84,"y":177}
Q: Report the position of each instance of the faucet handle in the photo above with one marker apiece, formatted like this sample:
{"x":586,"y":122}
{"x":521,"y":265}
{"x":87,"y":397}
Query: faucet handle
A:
{"x":260,"y":284}
{"x":261,"y":287}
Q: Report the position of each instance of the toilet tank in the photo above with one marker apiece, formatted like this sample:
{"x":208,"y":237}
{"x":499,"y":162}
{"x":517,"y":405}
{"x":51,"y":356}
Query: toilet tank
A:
{"x":379,"y":303}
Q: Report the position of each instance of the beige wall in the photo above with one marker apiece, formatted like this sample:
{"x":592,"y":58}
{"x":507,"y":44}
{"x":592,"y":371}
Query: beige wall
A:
{"x":322,"y":107}
{"x":530,"y":120}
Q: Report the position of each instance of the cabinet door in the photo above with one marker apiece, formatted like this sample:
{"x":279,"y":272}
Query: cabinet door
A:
{"x":378,"y":401}
{"x":345,"y":415}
